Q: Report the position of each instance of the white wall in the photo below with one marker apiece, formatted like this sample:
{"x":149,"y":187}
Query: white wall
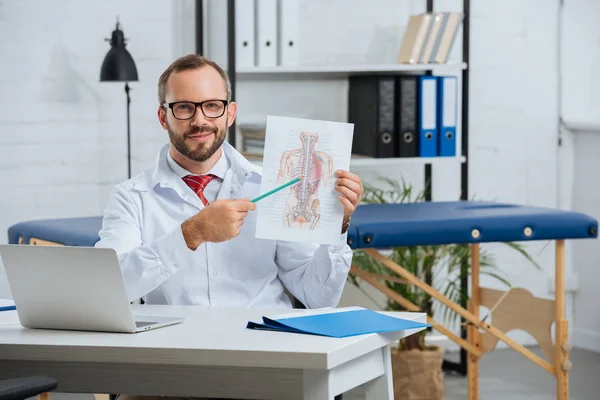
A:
{"x":580,"y":87}
{"x":62,"y":133}
{"x":586,"y":253}
{"x":580,"y":59}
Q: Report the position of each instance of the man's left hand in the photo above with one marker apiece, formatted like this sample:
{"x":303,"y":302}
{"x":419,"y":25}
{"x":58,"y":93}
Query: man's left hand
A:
{"x":351,"y":190}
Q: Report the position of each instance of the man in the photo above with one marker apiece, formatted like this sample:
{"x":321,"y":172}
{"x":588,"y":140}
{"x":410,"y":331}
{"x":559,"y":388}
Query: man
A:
{"x":184,"y":230}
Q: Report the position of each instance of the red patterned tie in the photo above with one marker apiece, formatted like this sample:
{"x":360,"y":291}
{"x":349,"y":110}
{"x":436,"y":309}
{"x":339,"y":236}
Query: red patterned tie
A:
{"x":198,"y":183}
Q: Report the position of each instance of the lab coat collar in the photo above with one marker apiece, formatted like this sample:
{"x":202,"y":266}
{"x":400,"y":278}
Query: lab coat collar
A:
{"x":219,"y":169}
{"x":163,"y":175}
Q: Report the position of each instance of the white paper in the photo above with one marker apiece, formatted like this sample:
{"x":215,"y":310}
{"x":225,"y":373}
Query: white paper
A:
{"x":314,"y":311}
{"x":8,"y":317}
{"x":309,"y":211}
{"x":6,"y":303}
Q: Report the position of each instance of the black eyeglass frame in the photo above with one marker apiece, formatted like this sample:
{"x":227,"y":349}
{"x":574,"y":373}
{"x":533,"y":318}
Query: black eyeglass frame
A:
{"x":200,"y":104}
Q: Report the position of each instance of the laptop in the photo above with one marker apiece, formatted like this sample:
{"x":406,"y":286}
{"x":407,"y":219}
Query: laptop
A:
{"x":72,"y":288}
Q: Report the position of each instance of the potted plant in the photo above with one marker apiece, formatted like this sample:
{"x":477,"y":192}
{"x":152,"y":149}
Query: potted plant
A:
{"x":417,"y":367}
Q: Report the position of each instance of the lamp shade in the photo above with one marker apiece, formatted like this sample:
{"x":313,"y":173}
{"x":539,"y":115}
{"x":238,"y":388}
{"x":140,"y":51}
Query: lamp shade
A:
{"x":118,"y":64}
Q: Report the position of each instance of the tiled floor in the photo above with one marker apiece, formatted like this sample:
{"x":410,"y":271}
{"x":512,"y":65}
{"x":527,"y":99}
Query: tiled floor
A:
{"x":506,"y":374}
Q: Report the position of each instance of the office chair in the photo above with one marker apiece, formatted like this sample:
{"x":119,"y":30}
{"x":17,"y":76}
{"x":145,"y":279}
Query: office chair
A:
{"x":25,"y":387}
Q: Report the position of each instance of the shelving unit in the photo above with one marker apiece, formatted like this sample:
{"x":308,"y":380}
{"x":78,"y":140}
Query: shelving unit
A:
{"x":363,"y":161}
{"x":342,"y":71}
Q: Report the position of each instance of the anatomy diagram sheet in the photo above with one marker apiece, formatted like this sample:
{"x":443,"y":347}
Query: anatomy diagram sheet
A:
{"x":312,"y":150}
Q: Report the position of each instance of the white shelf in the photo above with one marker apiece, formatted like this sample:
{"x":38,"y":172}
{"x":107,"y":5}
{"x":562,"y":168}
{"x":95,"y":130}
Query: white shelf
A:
{"x":360,"y":161}
{"x":343,"y":70}
{"x":582,"y":125}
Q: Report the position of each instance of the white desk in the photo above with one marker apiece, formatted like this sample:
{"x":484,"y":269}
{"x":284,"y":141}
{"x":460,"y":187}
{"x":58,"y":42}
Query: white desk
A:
{"x":211,"y":354}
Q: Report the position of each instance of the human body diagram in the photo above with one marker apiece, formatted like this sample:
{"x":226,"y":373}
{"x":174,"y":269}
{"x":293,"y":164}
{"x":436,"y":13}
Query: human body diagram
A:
{"x":315,"y":168}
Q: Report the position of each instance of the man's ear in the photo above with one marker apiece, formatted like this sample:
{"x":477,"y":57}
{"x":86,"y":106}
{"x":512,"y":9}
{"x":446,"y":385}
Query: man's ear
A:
{"x":231,"y":113}
{"x":162,"y":117}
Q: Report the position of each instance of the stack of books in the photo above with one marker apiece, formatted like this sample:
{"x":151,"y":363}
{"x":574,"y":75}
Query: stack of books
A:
{"x":429,"y":37}
{"x":253,"y":140}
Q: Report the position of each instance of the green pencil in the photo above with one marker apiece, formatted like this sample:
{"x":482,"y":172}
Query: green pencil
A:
{"x":262,"y":196}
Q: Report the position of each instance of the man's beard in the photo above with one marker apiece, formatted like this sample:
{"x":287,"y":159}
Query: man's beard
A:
{"x":202,"y":152}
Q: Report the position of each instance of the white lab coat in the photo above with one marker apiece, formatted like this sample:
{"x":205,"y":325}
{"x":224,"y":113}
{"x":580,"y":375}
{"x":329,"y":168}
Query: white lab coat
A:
{"x":142,"y":222}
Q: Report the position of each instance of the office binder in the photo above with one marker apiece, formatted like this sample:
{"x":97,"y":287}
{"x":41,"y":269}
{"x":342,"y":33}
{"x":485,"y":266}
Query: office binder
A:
{"x":289,"y":26}
{"x":371,"y":108}
{"x":266,"y":33}
{"x":407,"y":116}
{"x":244,"y":34}
{"x":337,"y":323}
{"x":447,"y":113}
{"x":428,"y":131}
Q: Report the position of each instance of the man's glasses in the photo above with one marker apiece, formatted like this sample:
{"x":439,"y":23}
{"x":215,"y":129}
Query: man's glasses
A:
{"x":187,"y":109}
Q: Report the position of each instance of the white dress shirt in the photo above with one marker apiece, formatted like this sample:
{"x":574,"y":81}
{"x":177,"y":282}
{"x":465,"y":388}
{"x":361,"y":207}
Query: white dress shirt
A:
{"x":142,"y":222}
{"x":219,"y":170}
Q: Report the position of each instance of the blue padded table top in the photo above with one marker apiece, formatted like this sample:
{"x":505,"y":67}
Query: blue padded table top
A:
{"x":387,"y":225}
{"x":82,"y":231}
{"x":431,"y":223}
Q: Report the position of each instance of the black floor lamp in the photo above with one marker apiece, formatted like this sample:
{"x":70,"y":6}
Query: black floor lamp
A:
{"x":118,"y":66}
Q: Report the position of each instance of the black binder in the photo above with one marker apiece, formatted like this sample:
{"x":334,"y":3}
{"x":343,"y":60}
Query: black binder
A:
{"x":407,"y":116}
{"x":372,"y":108}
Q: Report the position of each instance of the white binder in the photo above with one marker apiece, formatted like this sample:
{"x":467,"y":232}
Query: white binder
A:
{"x":266,"y":33}
{"x":289,"y":25}
{"x":244,"y":33}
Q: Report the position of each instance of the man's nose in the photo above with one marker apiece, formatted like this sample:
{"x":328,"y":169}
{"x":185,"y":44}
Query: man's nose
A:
{"x":199,"y":119}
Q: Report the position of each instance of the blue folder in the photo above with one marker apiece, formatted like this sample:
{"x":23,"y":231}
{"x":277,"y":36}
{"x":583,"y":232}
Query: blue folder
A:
{"x":338,"y":324}
{"x":447,"y":115}
{"x":7,"y":305}
{"x":428,"y":128}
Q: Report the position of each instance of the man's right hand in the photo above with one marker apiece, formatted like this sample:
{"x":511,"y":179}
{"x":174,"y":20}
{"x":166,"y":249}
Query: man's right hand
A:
{"x":218,"y":222}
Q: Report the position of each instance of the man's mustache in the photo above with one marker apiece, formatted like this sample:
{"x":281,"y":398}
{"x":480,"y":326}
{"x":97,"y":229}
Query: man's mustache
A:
{"x":201,"y":129}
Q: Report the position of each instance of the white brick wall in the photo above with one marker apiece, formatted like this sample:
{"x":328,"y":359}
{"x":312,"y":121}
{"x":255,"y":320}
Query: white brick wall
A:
{"x":63,"y":133}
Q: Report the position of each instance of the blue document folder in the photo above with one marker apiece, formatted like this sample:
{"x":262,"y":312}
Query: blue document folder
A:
{"x":429,"y":131}
{"x":338,"y":324}
{"x":7,"y":305}
{"x":447,"y":115}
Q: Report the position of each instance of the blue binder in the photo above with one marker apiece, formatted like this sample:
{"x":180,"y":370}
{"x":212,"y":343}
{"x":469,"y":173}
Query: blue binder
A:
{"x":338,"y":323}
{"x":447,"y":114}
{"x":428,"y":130}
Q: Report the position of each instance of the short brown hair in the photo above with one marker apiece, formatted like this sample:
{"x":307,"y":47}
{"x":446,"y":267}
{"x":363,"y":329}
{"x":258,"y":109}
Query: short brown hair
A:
{"x":191,"y":61}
